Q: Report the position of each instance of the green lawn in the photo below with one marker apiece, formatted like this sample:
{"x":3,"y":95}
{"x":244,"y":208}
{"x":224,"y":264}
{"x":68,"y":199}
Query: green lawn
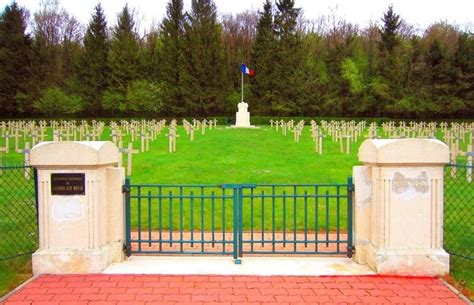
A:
{"x":256,"y":156}
{"x":242,"y":156}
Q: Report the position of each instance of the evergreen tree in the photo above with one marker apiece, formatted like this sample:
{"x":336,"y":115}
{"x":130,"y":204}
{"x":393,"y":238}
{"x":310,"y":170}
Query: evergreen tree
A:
{"x":288,"y":76}
{"x":464,"y":61}
{"x":263,"y":52}
{"x":124,"y":53}
{"x":205,"y":82}
{"x":389,"y":32}
{"x":15,"y":51}
{"x":93,"y":68}
{"x":172,"y":63}
{"x":390,"y":64}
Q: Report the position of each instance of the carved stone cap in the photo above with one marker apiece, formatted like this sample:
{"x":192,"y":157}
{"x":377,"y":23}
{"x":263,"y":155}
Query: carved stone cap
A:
{"x":404,"y":151}
{"x":70,"y":153}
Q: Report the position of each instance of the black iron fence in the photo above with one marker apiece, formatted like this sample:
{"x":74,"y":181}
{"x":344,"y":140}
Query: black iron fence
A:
{"x":459,"y":221}
{"x":18,"y":211}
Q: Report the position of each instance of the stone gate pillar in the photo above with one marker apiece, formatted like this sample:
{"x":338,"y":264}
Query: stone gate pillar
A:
{"x":80,"y":207}
{"x":398,"y":223}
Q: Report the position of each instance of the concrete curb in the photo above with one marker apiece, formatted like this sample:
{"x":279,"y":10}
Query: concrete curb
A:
{"x":18,"y":288}
{"x":459,"y":294}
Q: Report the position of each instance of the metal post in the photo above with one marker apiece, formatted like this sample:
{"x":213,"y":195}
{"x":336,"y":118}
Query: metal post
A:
{"x":350,"y":192}
{"x":242,"y":99}
{"x":126,"y":191}
{"x":240,"y":221}
{"x":236,"y":225}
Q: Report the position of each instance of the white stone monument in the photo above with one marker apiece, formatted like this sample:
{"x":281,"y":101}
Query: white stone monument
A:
{"x":399,"y":207}
{"x":242,"y":117}
{"x":80,"y":207}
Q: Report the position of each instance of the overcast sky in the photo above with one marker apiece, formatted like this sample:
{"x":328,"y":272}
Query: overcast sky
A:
{"x":419,"y":13}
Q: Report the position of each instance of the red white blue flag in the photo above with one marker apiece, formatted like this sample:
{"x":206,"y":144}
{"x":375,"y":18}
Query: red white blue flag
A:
{"x":244,"y":69}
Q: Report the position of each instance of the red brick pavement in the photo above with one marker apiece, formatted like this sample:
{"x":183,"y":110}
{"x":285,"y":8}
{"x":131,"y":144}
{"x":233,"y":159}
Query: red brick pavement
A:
{"x":231,"y":290}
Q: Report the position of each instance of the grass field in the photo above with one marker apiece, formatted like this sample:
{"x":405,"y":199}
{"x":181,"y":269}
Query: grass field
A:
{"x":261,"y":156}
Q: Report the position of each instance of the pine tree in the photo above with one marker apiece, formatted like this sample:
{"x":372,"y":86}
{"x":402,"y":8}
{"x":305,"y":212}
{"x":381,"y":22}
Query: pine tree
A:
{"x":205,"y":82}
{"x":390,"y":63}
{"x":124,"y":53}
{"x":172,"y":64}
{"x":15,"y":55}
{"x":389,"y":32}
{"x":93,"y":69}
{"x":289,"y":58}
{"x":262,"y":90}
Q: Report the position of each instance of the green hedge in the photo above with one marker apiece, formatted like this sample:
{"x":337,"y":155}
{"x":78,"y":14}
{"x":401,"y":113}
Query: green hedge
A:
{"x":254,"y":120}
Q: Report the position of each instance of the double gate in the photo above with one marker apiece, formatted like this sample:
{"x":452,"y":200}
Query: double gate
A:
{"x":239,"y":219}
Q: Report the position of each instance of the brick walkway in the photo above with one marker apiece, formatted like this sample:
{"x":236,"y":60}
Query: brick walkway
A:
{"x":232,"y":290}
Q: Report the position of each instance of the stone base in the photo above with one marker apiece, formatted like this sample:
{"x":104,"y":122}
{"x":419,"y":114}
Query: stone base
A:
{"x":245,"y":126}
{"x":76,"y":261}
{"x":420,"y":262}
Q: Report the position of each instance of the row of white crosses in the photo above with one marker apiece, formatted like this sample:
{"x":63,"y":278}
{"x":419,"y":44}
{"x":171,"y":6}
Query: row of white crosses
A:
{"x":342,"y":130}
{"x":139,"y":130}
{"x":318,"y":137}
{"x":297,"y":130}
{"x":172,"y":136}
{"x":410,"y":130}
{"x":456,"y":135}
{"x":281,"y":124}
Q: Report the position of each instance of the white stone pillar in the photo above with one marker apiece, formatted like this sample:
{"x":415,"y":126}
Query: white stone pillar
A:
{"x":398,"y":223}
{"x":80,"y":207}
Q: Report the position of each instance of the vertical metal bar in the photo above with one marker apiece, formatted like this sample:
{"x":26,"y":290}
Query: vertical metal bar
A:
{"x":240,"y":221}
{"x":223,"y":219}
{"x":316,"y":217}
{"x":251,"y":220}
{"x":305,"y":218}
{"x":128,"y":233}
{"x":170,"y":211}
{"x":284,"y":218}
{"x":149,"y":218}
{"x":338,"y":227}
{"x":294,"y":218}
{"x":139,"y":196}
{"x":350,"y":190}
{"x":35,"y":177}
{"x":192,"y":217}
{"x":213,"y":220}
{"x":273,"y":218}
{"x":235,"y":223}
{"x":327,"y":218}
{"x":160,"y":218}
{"x":181,"y":218}
{"x":262,"y":196}
{"x":202,"y":219}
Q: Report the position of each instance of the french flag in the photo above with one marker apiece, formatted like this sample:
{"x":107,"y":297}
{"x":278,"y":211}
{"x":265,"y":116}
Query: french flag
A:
{"x":244,"y":69}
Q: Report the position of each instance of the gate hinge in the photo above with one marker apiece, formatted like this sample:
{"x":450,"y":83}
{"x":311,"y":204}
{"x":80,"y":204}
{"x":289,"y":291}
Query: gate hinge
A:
{"x":125,"y":189}
{"x":351,"y":188}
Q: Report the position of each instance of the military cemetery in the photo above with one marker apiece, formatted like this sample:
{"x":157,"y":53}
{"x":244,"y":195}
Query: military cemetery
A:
{"x":218,"y":156}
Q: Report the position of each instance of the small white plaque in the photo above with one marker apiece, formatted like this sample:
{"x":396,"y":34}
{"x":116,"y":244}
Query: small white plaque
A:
{"x":67,"y":209}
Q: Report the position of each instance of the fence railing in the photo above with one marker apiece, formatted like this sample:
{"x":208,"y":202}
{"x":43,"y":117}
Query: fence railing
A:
{"x":459,"y":220}
{"x":18,"y":211}
{"x":238,"y":219}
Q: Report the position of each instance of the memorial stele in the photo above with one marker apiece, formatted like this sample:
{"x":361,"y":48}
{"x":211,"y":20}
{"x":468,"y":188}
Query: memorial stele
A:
{"x":242,"y":117}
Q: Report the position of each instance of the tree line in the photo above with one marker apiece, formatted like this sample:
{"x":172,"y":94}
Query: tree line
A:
{"x":188,"y":65}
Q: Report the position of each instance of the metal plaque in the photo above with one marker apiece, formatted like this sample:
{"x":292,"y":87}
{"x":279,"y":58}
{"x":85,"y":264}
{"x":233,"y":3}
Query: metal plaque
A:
{"x":68,"y":184}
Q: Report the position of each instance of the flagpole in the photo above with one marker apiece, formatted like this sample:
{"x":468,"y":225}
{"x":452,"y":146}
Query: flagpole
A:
{"x":242,"y":86}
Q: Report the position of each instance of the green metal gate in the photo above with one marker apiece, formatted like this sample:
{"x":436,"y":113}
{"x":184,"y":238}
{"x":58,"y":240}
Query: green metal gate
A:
{"x":239,"y":219}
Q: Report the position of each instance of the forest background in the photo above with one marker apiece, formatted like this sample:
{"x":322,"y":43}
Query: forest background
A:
{"x":189,"y":64}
